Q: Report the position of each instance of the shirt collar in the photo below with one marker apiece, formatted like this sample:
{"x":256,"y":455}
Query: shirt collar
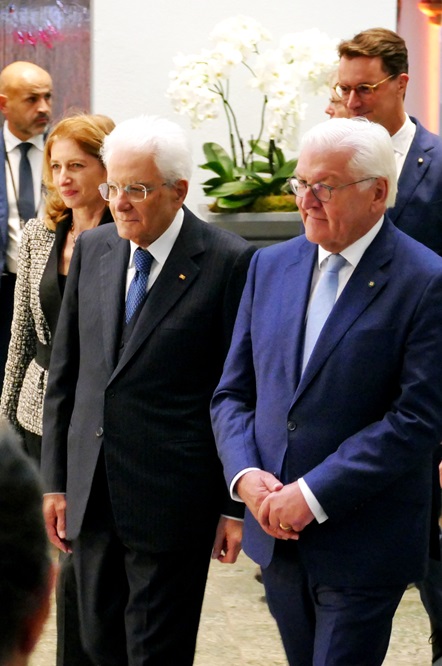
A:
{"x":402,"y":139}
{"x":160,"y":249}
{"x":11,"y":141}
{"x":353,"y":253}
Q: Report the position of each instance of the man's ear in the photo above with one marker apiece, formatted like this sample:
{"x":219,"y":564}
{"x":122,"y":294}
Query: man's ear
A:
{"x":181,"y":188}
{"x":33,"y":625}
{"x":402,"y":84}
{"x":3,"y":102}
{"x":380,"y":193}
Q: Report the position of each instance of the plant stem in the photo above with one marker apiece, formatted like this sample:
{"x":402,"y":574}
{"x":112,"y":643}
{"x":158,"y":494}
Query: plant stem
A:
{"x":253,"y":142}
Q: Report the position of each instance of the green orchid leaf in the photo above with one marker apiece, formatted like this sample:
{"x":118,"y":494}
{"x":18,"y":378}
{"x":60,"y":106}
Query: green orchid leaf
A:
{"x":260,"y":148}
{"x":237,"y":187}
{"x":235,"y":203}
{"x":218,"y":168}
{"x":213,"y":182}
{"x":260,"y":167}
{"x":286,"y":170}
{"x":216,"y":154}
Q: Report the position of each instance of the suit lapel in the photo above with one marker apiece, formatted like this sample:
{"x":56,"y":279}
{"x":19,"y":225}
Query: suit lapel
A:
{"x":416,"y":165}
{"x":296,"y":289}
{"x":113,"y":270}
{"x":368,"y":280}
{"x":176,"y":277}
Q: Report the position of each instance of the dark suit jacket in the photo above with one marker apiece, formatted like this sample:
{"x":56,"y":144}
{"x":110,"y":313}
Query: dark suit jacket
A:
{"x":150,"y":409}
{"x":361,"y":423}
{"x":418,"y":207}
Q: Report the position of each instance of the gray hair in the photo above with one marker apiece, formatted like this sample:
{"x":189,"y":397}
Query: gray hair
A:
{"x":164,"y":140}
{"x":370,"y":145}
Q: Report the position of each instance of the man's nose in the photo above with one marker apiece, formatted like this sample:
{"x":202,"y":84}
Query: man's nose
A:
{"x":353,"y":101}
{"x":309,"y":200}
{"x":44,"y":105}
{"x":121,"y":201}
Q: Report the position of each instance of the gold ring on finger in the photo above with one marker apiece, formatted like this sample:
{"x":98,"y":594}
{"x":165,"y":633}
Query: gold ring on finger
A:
{"x":286,"y":528}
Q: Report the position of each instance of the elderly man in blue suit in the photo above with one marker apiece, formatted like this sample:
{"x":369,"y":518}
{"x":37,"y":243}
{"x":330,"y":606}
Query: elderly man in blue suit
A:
{"x":327,"y":434}
{"x":372,"y":81}
{"x":26,"y":104}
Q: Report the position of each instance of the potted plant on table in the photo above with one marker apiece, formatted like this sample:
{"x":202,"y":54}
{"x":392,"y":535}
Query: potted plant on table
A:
{"x":250,"y":176}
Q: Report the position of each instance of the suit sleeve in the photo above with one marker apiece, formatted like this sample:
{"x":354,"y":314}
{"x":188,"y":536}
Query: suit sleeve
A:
{"x":232,"y":298}
{"x":22,"y":346}
{"x":62,"y":380}
{"x":233,"y":403}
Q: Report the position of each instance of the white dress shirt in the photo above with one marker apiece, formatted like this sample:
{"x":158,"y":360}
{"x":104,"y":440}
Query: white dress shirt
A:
{"x":402,"y":141}
{"x":35,"y":156}
{"x":159,"y":249}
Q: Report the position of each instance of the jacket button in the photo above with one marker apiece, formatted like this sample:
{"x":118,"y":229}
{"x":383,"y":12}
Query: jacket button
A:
{"x":291,"y":425}
{"x":99,"y":432}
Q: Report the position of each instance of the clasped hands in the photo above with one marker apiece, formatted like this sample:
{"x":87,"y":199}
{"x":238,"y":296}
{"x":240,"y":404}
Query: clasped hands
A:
{"x":280,"y":509}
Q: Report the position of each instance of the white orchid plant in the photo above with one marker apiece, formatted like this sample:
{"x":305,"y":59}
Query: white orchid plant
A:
{"x":200,"y":87}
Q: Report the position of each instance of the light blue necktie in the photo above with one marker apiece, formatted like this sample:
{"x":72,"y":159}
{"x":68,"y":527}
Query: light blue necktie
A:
{"x":137,"y":288}
{"x":322,"y":303}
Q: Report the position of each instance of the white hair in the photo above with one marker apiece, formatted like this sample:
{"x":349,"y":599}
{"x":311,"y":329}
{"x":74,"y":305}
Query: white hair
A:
{"x":370,"y":145}
{"x":162,"y":139}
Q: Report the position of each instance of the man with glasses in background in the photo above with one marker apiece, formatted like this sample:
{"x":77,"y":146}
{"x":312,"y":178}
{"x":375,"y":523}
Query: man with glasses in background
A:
{"x":328,"y":409}
{"x":372,"y":82}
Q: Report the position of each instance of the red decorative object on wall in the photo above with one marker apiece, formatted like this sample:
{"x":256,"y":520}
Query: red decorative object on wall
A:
{"x":55,"y":35}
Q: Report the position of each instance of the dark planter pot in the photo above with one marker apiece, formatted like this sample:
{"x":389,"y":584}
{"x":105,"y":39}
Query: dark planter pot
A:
{"x":260,"y":229}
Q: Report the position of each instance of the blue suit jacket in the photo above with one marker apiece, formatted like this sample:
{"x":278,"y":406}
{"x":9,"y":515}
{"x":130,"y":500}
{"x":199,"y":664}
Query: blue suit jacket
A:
{"x":418,"y":208}
{"x":362,"y":422}
{"x":4,"y":208}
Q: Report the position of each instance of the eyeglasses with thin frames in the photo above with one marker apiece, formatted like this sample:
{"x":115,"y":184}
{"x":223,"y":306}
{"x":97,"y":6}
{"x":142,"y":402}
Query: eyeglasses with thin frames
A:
{"x":362,"y":90}
{"x":135,"y":193}
{"x":320,"y":191}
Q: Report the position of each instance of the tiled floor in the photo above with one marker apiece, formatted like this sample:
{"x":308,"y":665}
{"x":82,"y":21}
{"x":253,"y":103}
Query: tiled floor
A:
{"x":236,"y":627}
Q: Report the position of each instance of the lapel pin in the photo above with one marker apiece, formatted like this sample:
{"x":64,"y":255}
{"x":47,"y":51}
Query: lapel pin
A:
{"x":420,"y":160}
{"x":181,"y":276}
{"x":371,"y":283}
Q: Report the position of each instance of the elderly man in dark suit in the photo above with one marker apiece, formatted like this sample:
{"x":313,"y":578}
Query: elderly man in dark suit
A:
{"x":145,"y":325}
{"x":26,"y":103}
{"x":373,"y":78}
{"x":330,"y":404}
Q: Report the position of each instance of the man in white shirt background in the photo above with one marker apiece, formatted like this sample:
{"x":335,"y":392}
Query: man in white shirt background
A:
{"x":26,"y":104}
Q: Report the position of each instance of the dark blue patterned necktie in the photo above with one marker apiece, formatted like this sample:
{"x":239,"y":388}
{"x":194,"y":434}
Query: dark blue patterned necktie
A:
{"x":26,"y":202}
{"x":137,"y":288}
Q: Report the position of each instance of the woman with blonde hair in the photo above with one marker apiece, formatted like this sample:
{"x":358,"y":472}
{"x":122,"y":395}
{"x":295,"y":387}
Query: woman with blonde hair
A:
{"x":72,"y":172}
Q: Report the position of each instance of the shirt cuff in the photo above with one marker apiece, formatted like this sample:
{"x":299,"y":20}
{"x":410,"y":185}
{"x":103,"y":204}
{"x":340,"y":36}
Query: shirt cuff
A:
{"x":233,"y":494}
{"x":312,"y":502}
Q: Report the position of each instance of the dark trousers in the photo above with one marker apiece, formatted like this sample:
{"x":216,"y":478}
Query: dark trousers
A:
{"x":327,"y":626}
{"x":136,"y":608}
{"x":69,"y":649}
{"x":7,"y":287}
{"x":430,"y":589}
